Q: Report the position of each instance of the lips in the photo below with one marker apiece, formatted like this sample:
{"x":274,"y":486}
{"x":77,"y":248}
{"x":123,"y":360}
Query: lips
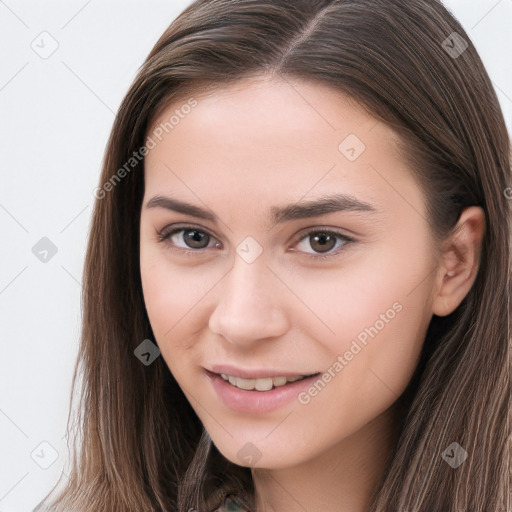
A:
{"x":254,"y":401}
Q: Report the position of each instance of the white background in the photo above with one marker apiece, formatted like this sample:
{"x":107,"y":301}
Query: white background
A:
{"x":56,"y":114}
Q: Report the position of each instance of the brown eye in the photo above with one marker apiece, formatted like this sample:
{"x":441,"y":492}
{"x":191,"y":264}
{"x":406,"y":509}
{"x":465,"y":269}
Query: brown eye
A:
{"x":195,"y":239}
{"x":322,"y":241}
{"x":186,"y":238}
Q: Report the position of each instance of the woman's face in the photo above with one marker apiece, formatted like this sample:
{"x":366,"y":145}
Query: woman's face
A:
{"x":264,"y":276}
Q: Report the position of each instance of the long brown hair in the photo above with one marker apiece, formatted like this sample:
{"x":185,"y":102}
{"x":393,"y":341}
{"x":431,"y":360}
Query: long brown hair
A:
{"x":141,"y":446}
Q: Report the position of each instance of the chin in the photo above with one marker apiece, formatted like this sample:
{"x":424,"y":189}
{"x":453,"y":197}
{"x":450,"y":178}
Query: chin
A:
{"x":258,"y":455}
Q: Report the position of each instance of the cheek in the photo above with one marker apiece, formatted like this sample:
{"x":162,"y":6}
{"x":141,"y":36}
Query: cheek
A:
{"x":171,"y":295}
{"x":368,"y":285}
{"x":166,"y":303}
{"x":372,"y":359}
{"x":175,"y":297}
{"x":375,"y":306}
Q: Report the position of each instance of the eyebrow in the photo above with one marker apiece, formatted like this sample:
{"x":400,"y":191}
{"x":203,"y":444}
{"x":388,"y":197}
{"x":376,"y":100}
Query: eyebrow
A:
{"x":278,"y":214}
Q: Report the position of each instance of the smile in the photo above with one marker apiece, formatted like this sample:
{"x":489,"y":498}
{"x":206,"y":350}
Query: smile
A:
{"x":263,"y":384}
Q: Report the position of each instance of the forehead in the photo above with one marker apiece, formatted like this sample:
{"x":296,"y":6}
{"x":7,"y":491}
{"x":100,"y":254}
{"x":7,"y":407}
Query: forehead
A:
{"x":272,"y":138}
{"x":297,"y":105}
{"x":262,"y":117}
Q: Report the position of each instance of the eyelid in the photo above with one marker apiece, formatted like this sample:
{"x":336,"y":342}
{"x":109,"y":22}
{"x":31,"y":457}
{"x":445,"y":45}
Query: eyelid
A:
{"x":304,"y":233}
{"x":166,"y":232}
{"x":320,"y":229}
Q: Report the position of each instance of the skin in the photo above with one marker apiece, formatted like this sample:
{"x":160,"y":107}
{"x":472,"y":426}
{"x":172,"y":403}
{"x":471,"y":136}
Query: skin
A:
{"x":242,"y":150}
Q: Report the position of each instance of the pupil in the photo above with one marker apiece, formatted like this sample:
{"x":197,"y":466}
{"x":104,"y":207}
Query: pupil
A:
{"x":194,"y":239}
{"x":325,"y":240}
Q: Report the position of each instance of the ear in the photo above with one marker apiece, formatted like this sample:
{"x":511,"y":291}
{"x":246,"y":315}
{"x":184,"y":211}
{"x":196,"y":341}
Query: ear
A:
{"x":460,"y":258}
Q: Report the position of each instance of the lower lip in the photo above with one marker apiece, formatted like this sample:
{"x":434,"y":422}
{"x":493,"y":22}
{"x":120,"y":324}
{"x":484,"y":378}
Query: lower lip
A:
{"x":257,"y":401}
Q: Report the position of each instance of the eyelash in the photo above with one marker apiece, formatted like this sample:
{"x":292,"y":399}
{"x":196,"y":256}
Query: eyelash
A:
{"x":164,"y":235}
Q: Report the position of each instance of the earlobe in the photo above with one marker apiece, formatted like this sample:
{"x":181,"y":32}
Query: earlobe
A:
{"x":460,"y":261}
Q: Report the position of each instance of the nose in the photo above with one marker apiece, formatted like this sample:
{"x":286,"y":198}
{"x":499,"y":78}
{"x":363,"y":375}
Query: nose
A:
{"x":250,"y":304}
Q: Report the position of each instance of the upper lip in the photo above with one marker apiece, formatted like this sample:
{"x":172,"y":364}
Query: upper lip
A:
{"x":227,"y":369}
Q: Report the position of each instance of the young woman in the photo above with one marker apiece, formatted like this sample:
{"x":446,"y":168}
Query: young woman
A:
{"x":297,"y":278}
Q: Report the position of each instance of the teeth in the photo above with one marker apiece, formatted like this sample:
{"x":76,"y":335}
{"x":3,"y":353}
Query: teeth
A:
{"x":280,"y":381}
{"x":265,"y":384}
